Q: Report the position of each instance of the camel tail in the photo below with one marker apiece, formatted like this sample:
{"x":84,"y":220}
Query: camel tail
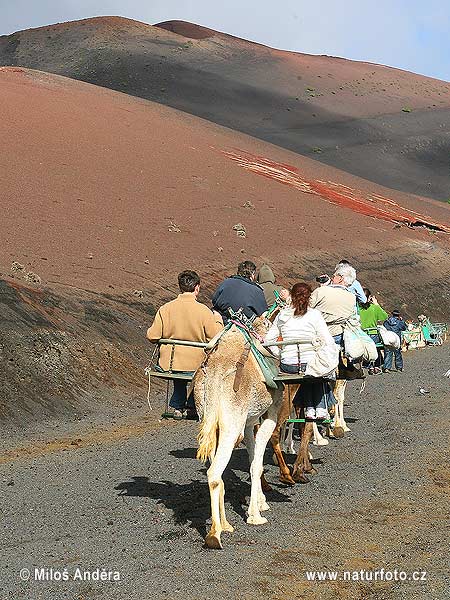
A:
{"x":207,"y":437}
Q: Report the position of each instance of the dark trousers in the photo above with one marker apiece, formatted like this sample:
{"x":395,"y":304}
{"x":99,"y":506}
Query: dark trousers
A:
{"x":179,"y":399}
{"x":313,"y":393}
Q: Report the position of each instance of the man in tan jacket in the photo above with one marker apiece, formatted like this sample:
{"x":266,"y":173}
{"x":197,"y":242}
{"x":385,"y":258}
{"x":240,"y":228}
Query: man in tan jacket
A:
{"x":184,"y":319}
{"x":335,"y":301}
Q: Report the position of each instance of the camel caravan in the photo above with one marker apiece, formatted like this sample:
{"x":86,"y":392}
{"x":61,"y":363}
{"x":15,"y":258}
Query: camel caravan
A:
{"x":264,"y":360}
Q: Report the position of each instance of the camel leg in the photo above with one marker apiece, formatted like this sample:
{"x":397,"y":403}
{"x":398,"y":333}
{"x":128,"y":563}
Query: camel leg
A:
{"x":343,"y":386}
{"x":302,"y":463}
{"x":257,"y":498}
{"x":284,"y":412}
{"x":223,"y":519}
{"x":338,"y":428}
{"x":217,"y":489}
{"x":318,"y":439}
{"x":289,"y":441}
{"x":266,"y":487}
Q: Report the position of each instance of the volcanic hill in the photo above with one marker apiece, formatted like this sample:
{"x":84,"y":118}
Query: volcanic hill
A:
{"x":383,"y":124}
{"x":105,"y":197}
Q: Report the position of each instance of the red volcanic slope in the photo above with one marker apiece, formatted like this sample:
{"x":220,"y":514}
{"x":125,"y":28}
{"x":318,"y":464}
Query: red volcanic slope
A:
{"x":103,"y":191}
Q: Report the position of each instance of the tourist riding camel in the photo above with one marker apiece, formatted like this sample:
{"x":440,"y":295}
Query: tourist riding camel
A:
{"x":184,"y":319}
{"x":335,"y":301}
{"x":240,"y":291}
{"x":355,"y":288}
{"x":300,"y":322}
{"x":371,"y":314}
{"x":266,"y":280}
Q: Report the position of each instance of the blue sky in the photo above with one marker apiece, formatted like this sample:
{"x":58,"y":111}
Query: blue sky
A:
{"x":412,"y":35}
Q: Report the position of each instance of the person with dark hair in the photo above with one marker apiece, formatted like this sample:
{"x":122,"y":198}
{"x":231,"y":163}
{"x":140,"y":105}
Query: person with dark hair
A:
{"x":184,"y":319}
{"x":300,"y":322}
{"x":371,"y":314}
{"x":240,"y":291}
{"x":396,"y":324}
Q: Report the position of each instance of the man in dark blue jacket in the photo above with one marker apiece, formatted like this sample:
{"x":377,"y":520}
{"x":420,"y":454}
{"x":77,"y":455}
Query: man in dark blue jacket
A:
{"x":396,"y":324}
{"x":238,"y":291}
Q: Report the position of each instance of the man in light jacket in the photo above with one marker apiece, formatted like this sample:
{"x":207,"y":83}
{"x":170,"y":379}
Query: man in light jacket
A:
{"x":184,"y":319}
{"x":335,"y":301}
{"x":355,"y":288}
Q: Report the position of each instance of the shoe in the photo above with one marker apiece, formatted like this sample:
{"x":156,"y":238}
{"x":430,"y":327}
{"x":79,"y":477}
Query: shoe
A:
{"x":310,"y":413}
{"x":387,"y":370}
{"x":400,"y":370}
{"x":377,"y":371}
{"x":371,"y":371}
{"x":177,"y":414}
{"x":191,"y":414}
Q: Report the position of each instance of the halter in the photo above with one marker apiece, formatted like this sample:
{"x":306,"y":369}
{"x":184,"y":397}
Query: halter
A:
{"x":240,"y":319}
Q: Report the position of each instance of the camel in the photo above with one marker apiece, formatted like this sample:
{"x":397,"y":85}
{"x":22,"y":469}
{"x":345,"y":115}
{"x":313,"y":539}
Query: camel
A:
{"x":231,"y":396}
{"x":309,"y":431}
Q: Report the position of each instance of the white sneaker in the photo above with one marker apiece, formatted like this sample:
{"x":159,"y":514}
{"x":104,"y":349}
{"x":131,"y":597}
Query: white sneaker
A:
{"x":310,"y":413}
{"x":322,"y":413}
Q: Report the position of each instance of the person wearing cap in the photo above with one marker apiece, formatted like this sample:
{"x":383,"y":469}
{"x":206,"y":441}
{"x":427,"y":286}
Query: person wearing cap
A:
{"x":396,"y":324}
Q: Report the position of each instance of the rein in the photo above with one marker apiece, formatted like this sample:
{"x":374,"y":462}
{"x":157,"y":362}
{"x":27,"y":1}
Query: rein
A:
{"x":249,"y":330}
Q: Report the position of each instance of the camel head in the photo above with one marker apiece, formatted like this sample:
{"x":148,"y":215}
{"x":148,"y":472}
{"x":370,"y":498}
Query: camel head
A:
{"x":261,"y":325}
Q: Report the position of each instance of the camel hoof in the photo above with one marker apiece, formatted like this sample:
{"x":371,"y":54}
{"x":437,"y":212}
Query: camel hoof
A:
{"x":346,"y":428}
{"x":256,"y":520}
{"x":311,"y":471}
{"x":264,"y":506}
{"x":299,"y":477}
{"x":338,"y":432}
{"x":322,"y":442}
{"x":227,"y":527}
{"x":213,"y":542}
{"x":286,"y":479}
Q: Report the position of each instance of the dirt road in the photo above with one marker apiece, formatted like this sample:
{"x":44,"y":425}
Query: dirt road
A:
{"x":133,"y":501}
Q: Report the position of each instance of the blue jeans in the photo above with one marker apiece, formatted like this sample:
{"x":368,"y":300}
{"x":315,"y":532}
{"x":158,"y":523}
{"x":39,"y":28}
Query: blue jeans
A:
{"x":377,"y":363}
{"x":397,"y":354}
{"x":338,"y":338}
{"x":179,"y":399}
{"x":312,"y":393}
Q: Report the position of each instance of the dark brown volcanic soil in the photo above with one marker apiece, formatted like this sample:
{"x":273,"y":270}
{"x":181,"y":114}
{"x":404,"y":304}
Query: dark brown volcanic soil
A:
{"x":105,"y":197}
{"x":351,"y":115}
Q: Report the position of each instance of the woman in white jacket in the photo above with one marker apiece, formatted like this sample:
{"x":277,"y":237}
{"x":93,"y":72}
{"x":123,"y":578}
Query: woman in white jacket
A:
{"x":300,"y":322}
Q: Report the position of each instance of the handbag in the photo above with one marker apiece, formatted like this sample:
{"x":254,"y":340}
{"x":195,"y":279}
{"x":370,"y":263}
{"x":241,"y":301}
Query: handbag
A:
{"x":391,"y":340}
{"x":357,"y":344}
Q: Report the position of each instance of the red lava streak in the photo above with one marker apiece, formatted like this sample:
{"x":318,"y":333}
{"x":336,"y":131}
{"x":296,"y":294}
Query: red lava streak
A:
{"x":372,"y":205}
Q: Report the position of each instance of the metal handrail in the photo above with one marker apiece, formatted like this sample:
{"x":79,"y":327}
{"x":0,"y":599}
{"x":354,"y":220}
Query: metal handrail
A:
{"x":171,"y":342}
{"x":288,"y":343}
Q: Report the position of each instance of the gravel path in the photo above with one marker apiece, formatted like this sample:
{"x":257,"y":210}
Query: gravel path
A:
{"x":138,"y":504}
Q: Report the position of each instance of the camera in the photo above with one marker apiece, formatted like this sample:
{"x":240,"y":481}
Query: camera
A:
{"x":322,"y":279}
